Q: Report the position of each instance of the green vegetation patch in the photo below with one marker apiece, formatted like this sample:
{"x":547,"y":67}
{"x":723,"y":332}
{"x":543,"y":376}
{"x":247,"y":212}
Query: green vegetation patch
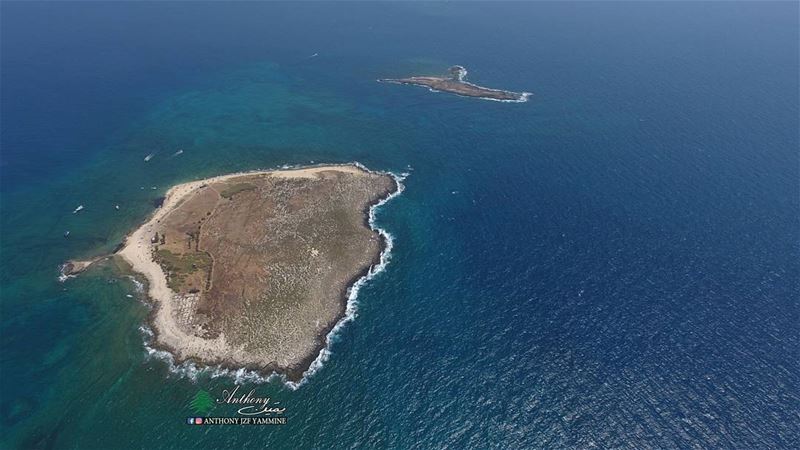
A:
{"x":179,"y":267}
{"x":237,"y":188}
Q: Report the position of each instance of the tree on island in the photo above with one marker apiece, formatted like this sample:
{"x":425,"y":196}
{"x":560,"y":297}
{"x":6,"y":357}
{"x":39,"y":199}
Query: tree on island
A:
{"x":202,"y":402}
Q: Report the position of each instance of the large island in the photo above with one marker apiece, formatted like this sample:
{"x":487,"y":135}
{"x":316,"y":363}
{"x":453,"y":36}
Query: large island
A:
{"x":252,"y":270}
{"x":455,"y":83}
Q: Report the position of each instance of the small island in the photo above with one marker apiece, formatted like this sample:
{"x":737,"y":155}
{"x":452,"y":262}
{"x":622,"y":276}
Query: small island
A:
{"x":252,"y":270}
{"x":455,"y":83}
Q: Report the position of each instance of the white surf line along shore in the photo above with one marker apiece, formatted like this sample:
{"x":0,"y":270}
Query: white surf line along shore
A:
{"x":137,"y":253}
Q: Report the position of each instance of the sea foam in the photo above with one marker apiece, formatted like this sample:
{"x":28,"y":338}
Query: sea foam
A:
{"x":62,"y":273}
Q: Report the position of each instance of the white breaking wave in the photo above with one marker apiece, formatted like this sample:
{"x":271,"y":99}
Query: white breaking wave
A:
{"x":462,"y":75}
{"x":62,"y":274}
{"x":191,"y":370}
{"x":138,"y":285}
{"x":523,"y":96}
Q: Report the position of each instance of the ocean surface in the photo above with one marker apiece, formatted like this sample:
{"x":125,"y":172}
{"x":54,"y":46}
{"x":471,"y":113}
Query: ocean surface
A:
{"x":612,"y":264}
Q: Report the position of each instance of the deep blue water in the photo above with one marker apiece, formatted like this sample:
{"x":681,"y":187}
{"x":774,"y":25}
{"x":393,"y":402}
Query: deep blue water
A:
{"x":614,"y":264}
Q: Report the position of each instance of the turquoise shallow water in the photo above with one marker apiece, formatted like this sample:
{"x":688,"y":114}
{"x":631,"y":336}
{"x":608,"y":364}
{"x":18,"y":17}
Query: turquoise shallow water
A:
{"x":612,"y":264}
